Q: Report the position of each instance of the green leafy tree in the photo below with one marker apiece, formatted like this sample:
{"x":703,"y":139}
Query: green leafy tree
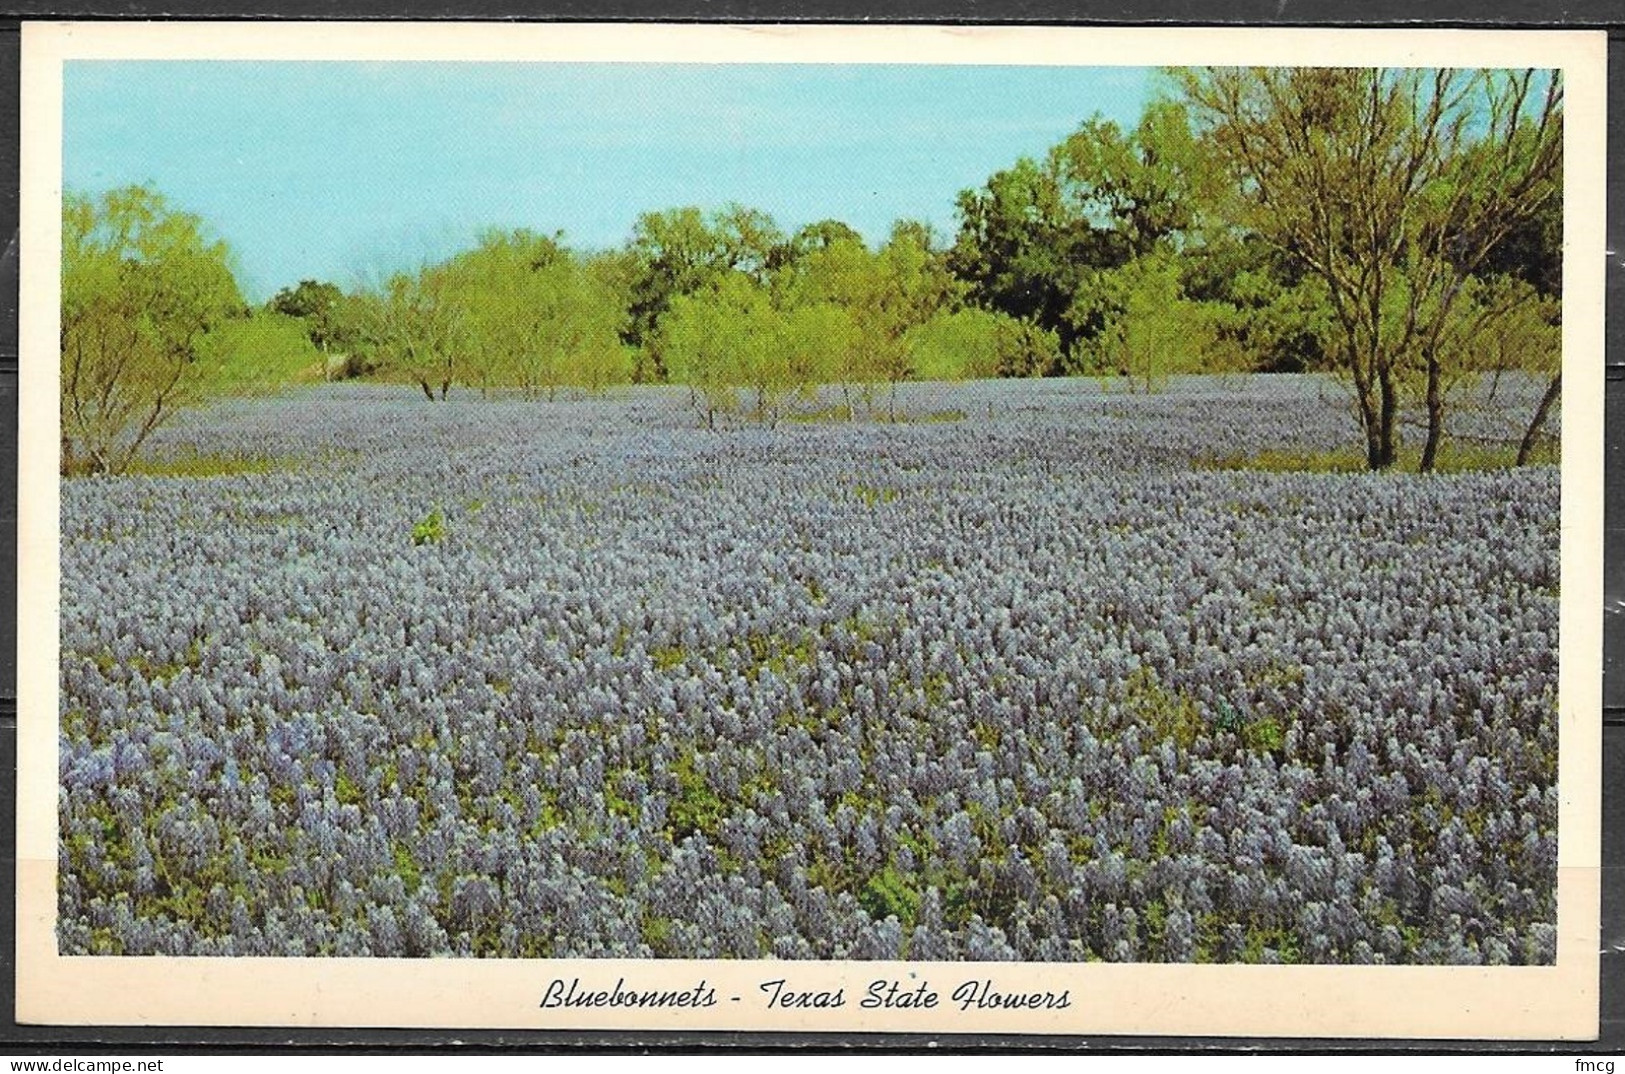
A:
{"x":1022,"y":250}
{"x":1139,"y":189}
{"x":682,"y":251}
{"x":318,"y":306}
{"x":1395,"y":188}
{"x":1038,"y":233}
{"x":974,"y":343}
{"x":259,"y":353}
{"x":886,"y":293}
{"x":711,"y":338}
{"x":142,"y":283}
{"x":817,"y":343}
{"x":1153,"y":330}
{"x":1270,"y":315}
{"x":507,"y":288}
{"x":418,"y":327}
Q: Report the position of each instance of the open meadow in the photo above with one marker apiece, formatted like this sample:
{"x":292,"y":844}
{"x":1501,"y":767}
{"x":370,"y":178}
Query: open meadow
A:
{"x":1045,"y":672}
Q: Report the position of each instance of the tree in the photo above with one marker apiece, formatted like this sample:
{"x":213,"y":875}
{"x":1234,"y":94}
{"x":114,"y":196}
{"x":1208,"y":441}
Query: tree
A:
{"x":1021,"y":250}
{"x":885,"y":292}
{"x":319,"y":306}
{"x":141,"y":285}
{"x":971,"y":343}
{"x":1153,"y":329}
{"x":418,"y":327}
{"x":1138,"y":190}
{"x":1039,"y":233}
{"x":712,"y":338}
{"x":507,"y":289}
{"x":1395,"y":188}
{"x":682,"y":251}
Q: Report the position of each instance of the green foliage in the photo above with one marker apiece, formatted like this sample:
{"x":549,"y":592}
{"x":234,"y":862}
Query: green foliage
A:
{"x":695,"y":808}
{"x":346,"y":791}
{"x":538,"y":317}
{"x":973,"y":343}
{"x":431,"y":529}
{"x":1149,"y":329}
{"x":1457,"y":456}
{"x":1164,"y":713}
{"x":1264,"y":736}
{"x":318,"y":306}
{"x":415,"y":326}
{"x":716,"y":340}
{"x":1411,"y":184}
{"x":682,"y":252}
{"x":194,"y":464}
{"x":870,"y":495}
{"x":142,"y":284}
{"x":1036,"y":235}
{"x":889,"y":894}
{"x":259,"y":353}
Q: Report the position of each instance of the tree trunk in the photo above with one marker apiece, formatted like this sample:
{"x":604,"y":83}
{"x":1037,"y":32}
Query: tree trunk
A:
{"x":445,"y":390}
{"x":428,"y":393}
{"x":1531,"y":435}
{"x":1388,"y":412}
{"x":1435,"y":404}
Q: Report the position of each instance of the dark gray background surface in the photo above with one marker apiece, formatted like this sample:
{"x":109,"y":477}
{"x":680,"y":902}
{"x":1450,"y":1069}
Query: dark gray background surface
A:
{"x":1598,"y":14}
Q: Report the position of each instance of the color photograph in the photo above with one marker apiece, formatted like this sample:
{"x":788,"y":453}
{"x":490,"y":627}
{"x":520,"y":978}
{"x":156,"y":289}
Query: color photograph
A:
{"x":812,"y":513}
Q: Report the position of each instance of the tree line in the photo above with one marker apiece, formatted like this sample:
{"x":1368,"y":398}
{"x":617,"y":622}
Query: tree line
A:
{"x":1399,"y":228}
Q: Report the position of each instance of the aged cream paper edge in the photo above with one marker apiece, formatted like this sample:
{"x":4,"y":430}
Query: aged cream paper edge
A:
{"x":1559,"y":1002}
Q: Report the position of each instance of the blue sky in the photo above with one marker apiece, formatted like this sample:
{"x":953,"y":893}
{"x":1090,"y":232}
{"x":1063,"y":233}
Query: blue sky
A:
{"x":341,"y":170}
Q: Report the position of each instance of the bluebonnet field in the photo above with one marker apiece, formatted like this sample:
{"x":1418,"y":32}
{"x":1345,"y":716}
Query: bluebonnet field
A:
{"x":1034,"y":679}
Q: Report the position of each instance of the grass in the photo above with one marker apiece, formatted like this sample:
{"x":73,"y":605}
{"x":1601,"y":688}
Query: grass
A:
{"x":266,"y":352}
{"x":199,"y":464}
{"x":1454,"y":457}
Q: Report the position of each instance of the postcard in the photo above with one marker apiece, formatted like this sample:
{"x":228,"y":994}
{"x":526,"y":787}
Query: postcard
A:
{"x":811,"y":528}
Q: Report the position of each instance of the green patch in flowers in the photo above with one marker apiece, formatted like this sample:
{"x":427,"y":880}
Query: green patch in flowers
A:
{"x":535,"y":945}
{"x":618,"y":804}
{"x":760,"y":785}
{"x":346,"y":791}
{"x":889,"y":894}
{"x":431,"y":529}
{"x":666,"y":657}
{"x":1161,"y":844}
{"x":1167,"y":715}
{"x":1208,"y":938}
{"x":1264,"y":736}
{"x":1155,"y":918}
{"x":935,"y":689}
{"x":1455,"y":456}
{"x":104,"y":941}
{"x":75,"y":724}
{"x":406,"y":867}
{"x":1283,"y":941}
{"x":837,"y":413}
{"x":695,"y":809}
{"x":772,"y":652}
{"x":871,"y":495}
{"x":194,"y":464}
{"x":655,"y":931}
{"x":549,"y":816}
{"x":1280,"y":676}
